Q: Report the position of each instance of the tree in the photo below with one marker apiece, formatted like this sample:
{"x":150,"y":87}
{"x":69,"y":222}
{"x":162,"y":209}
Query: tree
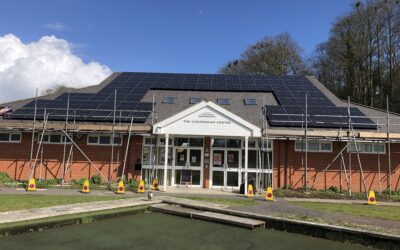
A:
{"x":278,"y":55}
{"x":361,"y":57}
{"x":57,"y":89}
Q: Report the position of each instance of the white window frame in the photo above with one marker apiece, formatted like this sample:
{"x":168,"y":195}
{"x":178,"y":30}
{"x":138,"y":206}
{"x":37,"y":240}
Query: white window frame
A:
{"x":320,"y":150}
{"x":62,"y":136}
{"x":101,"y":144}
{"x":365,"y":152}
{"x":9,"y":137}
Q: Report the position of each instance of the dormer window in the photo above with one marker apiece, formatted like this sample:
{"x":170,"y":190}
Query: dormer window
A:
{"x":195,"y":100}
{"x":223,"y":101}
{"x":169,"y":100}
{"x":249,"y":101}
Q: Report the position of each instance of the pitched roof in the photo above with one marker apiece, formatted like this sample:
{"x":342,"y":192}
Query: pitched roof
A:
{"x":284,"y":97}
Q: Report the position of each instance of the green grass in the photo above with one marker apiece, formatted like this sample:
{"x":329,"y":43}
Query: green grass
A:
{"x":9,"y":202}
{"x":380,"y":212}
{"x":223,"y":201}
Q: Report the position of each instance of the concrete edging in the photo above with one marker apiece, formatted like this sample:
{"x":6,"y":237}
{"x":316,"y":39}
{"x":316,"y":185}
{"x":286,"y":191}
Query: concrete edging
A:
{"x":337,"y":233}
{"x":66,"y":220}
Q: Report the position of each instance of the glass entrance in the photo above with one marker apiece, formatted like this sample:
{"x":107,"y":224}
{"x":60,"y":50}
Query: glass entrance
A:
{"x":188,"y":166}
{"x":225,"y":168}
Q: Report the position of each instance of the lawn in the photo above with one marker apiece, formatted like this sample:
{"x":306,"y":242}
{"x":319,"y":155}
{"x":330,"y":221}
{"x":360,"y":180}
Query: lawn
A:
{"x":380,"y":212}
{"x":9,"y":202}
{"x":224,"y":201}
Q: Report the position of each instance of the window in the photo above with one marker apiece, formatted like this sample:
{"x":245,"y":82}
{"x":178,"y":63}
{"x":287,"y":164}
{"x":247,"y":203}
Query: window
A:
{"x":223,"y":101}
{"x":313,"y":146}
{"x":226,"y":143}
{"x":169,"y":100}
{"x":188,"y":142}
{"x":154,"y":151}
{"x":162,"y":141}
{"x":104,"y":140}
{"x":195,"y":100}
{"x":54,"y":138}
{"x":368,"y":148}
{"x":249,"y":101}
{"x":10,"y":137}
{"x":218,"y":143}
{"x":251,"y":144}
{"x":150,"y":141}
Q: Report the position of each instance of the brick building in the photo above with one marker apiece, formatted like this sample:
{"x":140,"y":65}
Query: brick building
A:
{"x":216,"y":131}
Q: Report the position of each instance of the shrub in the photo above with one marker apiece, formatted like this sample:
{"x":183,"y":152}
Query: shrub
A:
{"x":78,"y":182}
{"x":4,"y":177}
{"x":133,"y":184}
{"x":288,"y":187}
{"x":278,"y":192}
{"x":96,"y":179}
{"x":333,"y":189}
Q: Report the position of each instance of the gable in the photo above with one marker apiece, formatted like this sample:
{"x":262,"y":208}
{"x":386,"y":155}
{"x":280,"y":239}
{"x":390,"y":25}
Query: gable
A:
{"x":207,"y":118}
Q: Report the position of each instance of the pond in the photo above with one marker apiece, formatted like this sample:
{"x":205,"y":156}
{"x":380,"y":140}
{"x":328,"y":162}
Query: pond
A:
{"x":158,"y":231}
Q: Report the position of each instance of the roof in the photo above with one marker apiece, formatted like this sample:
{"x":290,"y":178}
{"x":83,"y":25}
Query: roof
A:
{"x":283,"y":97}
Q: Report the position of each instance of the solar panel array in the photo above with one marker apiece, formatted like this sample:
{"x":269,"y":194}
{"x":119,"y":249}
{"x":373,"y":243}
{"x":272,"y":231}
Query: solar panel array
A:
{"x":322,"y":117}
{"x":131,"y":87}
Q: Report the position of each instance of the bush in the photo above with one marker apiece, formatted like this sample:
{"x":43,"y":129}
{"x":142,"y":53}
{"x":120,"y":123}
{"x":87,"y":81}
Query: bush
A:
{"x":133,"y":184}
{"x":78,"y":182}
{"x":387,"y":192}
{"x":96,"y":179}
{"x":47,"y":183}
{"x":278,"y":192}
{"x":4,"y":177}
{"x":288,"y":187}
{"x":333,"y":189}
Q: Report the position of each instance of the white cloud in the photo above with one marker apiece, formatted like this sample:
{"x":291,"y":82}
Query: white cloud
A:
{"x":55,"y":26}
{"x":42,"y":64}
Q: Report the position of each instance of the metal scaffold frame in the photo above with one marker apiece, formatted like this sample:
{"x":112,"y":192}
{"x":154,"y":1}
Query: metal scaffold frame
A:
{"x":350,"y":139}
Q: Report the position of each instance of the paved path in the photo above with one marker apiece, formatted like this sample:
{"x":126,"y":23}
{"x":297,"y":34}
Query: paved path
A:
{"x":284,"y":208}
{"x":342,"y":201}
{"x":78,"y":208}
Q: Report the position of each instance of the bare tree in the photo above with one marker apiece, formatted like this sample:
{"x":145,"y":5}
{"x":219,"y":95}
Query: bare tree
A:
{"x":278,"y":55}
{"x":361,"y":56}
{"x":57,"y":89}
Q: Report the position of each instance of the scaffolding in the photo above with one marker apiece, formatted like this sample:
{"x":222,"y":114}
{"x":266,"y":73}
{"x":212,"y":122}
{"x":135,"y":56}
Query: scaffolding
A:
{"x":350,"y":137}
{"x":345,"y":137}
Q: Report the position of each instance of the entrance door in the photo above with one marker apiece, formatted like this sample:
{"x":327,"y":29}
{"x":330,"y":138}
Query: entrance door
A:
{"x":225,"y":168}
{"x":190,"y":160}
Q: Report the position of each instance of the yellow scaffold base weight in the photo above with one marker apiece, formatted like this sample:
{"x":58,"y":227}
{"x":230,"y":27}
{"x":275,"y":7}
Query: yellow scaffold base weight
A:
{"x":31,"y":185}
{"x":121,"y":188}
{"x":250,"y":191}
{"x":141,"y":187}
{"x":85,"y":187}
{"x":155,"y":184}
{"x":269,"y":196}
{"x":371,"y":198}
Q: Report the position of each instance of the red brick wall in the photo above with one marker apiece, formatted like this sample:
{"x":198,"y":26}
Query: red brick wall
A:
{"x":14,"y":159}
{"x":288,"y":168}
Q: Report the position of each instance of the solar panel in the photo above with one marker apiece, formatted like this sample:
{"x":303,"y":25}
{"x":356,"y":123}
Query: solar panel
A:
{"x":290,"y":92}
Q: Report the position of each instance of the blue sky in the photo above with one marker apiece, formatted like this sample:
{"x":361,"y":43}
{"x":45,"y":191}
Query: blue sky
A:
{"x":169,"y":36}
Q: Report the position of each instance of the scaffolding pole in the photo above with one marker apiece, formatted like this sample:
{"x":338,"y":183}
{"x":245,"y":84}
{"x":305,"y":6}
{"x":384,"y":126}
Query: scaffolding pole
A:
{"x":65,"y":143}
{"x":33,"y":129}
{"x":127,"y":149}
{"x":357,"y":151}
{"x":87,"y":158}
{"x":112,"y":138}
{"x":389,"y":148}
{"x":46,"y":117}
{"x":306,"y":141}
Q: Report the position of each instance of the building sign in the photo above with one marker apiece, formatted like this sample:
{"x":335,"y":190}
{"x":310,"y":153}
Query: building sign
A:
{"x":231,"y":157}
{"x":210,"y":119}
{"x":217,"y":159}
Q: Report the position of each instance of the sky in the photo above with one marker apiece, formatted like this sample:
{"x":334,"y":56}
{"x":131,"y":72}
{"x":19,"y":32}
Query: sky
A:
{"x":45,"y":43}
